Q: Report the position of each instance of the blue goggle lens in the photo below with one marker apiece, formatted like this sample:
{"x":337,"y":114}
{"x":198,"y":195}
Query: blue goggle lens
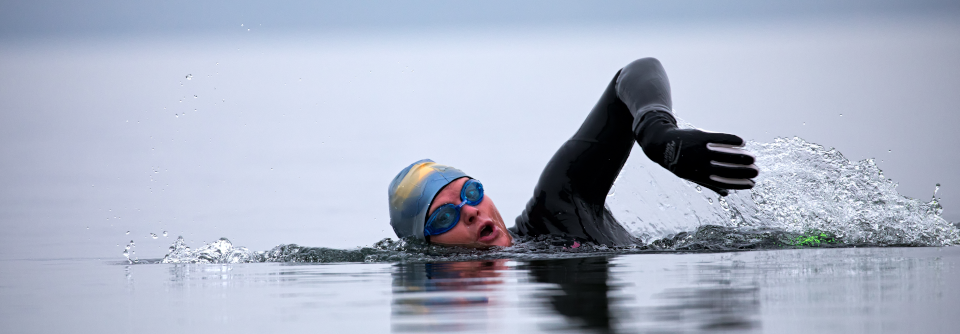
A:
{"x":472,"y":192}
{"x":446,"y":216}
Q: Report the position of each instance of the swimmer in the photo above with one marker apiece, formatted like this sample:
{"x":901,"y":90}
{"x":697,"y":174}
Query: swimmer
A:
{"x":443,"y":205}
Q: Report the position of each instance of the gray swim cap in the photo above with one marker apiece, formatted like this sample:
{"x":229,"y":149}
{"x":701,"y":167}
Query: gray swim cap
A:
{"x":411,"y":192}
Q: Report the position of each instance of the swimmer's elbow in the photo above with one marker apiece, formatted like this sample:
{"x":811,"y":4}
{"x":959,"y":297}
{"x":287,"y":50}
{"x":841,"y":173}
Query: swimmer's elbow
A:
{"x":640,"y":68}
{"x":650,"y":63}
{"x":643,"y":86}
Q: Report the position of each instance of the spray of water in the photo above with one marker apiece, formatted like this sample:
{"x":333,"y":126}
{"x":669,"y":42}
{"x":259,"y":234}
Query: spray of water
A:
{"x":803,"y":188}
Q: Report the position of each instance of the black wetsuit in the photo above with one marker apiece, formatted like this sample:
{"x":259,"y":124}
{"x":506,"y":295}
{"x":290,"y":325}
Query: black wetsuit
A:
{"x":569,"y":198}
{"x":568,"y":201}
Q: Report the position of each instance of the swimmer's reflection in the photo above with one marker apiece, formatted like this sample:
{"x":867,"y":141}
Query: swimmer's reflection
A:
{"x":422,"y":303}
{"x":461,"y":296}
{"x":581,"y":293}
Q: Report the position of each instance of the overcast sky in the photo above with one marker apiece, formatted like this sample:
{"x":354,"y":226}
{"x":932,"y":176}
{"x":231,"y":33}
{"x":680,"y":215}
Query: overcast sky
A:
{"x":29,"y":19}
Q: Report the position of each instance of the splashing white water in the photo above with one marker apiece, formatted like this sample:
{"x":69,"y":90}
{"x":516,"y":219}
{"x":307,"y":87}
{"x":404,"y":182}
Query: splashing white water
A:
{"x":220,"y":251}
{"x":802,"y":187}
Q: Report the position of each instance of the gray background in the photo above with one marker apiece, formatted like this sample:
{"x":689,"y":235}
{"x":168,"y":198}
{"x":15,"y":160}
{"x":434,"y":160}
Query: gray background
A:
{"x":293,"y":123}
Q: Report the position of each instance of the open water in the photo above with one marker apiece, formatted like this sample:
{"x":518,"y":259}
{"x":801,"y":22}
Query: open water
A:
{"x":125,"y":160}
{"x":845,"y":290}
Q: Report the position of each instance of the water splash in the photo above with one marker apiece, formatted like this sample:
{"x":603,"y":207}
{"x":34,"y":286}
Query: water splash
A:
{"x":802,"y":188}
{"x":220,"y":251}
{"x":130,"y":254}
{"x":386,"y":250}
{"x":809,"y":187}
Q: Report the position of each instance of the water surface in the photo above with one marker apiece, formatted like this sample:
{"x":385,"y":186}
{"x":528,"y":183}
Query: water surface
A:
{"x":848,"y":290}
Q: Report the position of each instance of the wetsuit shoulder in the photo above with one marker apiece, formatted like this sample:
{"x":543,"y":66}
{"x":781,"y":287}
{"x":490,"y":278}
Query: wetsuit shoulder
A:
{"x":569,"y":198}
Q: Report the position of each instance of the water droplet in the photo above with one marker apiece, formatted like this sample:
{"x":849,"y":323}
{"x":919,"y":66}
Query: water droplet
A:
{"x":699,"y":189}
{"x":935,"y":190}
{"x":128,"y":232}
{"x":889,"y":151}
{"x":189,"y":76}
{"x":176,"y":115}
{"x":194,"y":96}
{"x":710,"y":200}
{"x":164,"y":233}
{"x":241,"y":24}
{"x":804,"y":123}
{"x":153,"y":235}
{"x":613,"y":191}
{"x":841,"y":115}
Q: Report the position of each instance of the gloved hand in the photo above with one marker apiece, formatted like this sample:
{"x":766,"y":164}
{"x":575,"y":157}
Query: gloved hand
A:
{"x":712,"y":160}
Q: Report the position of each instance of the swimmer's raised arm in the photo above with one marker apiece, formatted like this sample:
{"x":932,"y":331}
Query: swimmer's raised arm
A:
{"x":713,"y":160}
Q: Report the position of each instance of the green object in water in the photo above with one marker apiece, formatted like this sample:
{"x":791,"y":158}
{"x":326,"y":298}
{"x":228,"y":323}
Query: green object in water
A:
{"x":814,"y":239}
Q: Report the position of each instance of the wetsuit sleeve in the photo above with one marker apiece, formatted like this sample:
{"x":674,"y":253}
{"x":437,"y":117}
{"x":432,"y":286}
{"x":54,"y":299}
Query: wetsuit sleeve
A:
{"x":643,"y":87}
{"x":568,"y":200}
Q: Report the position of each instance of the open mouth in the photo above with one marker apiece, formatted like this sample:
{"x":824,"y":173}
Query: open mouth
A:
{"x":486,"y":231}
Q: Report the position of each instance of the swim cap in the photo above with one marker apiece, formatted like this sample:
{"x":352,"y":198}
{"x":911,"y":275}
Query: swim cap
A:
{"x":411,"y":192}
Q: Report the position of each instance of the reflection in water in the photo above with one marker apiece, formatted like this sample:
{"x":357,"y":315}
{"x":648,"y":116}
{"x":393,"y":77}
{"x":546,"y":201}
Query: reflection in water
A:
{"x":723,"y":297}
{"x":786,"y":291}
{"x":444,"y":296}
{"x":182,"y":275}
{"x":720,"y":299}
{"x":578,"y":293}
{"x":581,"y":292}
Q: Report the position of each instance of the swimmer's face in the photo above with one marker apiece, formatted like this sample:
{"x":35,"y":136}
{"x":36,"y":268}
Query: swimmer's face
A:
{"x":479,"y":227}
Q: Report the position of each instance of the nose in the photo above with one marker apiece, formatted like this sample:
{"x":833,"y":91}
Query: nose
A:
{"x":469,"y":214}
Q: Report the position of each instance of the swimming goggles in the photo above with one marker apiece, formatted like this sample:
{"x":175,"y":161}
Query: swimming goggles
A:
{"x":446,"y":216}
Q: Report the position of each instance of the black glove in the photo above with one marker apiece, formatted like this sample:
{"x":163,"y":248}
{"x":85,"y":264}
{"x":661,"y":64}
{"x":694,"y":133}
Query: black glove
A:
{"x":712,"y":160}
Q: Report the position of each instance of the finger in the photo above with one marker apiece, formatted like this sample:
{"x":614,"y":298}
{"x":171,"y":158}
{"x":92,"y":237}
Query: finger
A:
{"x":730,"y":183}
{"x":734,"y":171}
{"x":732,"y":158}
{"x":725,"y":138}
{"x":724,"y":148}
